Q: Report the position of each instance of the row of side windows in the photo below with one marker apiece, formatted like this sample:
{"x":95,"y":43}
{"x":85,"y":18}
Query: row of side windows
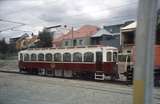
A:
{"x":77,"y":57}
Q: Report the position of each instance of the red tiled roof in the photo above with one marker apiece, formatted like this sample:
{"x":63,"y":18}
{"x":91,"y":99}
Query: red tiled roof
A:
{"x":84,"y":31}
{"x":58,"y":39}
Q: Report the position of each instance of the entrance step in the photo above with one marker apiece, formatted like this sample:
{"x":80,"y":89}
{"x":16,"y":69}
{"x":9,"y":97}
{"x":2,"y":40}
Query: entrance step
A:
{"x":99,"y":75}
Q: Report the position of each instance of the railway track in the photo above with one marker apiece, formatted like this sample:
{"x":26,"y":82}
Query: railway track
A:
{"x":90,"y":80}
{"x":102,"y":86}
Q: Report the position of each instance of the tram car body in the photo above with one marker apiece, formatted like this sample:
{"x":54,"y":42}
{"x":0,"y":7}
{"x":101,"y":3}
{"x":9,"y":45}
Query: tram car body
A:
{"x":78,"y":62}
{"x":126,"y":64}
{"x":156,"y":62}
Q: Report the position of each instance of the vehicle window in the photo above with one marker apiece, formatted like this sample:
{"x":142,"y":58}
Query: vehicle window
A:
{"x":99,"y":57}
{"x":77,"y":57}
{"x":114,"y":56}
{"x":67,"y":57}
{"x":33,"y":57}
{"x":57,"y":57}
{"x":48,"y":57}
{"x":122,"y":58}
{"x":129,"y":59}
{"x":26,"y":57}
{"x":41,"y":57}
{"x":21,"y":57}
{"x":88,"y":57}
{"x":109,"y":56}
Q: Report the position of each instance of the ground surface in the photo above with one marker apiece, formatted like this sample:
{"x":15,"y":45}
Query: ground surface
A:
{"x":28,"y":89}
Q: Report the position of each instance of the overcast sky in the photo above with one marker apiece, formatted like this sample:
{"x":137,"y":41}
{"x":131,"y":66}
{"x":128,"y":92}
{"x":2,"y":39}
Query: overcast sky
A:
{"x":39,"y":13}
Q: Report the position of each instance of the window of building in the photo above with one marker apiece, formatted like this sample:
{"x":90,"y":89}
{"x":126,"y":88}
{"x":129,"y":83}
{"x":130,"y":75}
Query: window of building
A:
{"x":33,"y":57}
{"x":80,"y":42}
{"x":66,"y":43}
{"x":41,"y":57}
{"x":26,"y":57}
{"x":57,"y":57}
{"x":109,"y":56}
{"x":129,"y":37}
{"x":88,"y":57}
{"x":108,"y":37}
{"x":77,"y":57}
{"x":67,"y":57}
{"x":74,"y":42}
{"x":111,"y":30}
{"x":114,"y":56}
{"x":48,"y":57}
{"x":21,"y":57}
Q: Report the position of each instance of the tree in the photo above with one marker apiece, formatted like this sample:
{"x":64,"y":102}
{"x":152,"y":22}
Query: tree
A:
{"x":158,"y":28}
{"x":6,"y":50}
{"x":3,"y":46}
{"x":45,"y":38}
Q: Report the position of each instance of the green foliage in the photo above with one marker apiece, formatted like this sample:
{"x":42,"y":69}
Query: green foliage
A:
{"x":6,"y":50}
{"x":158,"y":29}
{"x":45,"y":39}
{"x":3,"y":46}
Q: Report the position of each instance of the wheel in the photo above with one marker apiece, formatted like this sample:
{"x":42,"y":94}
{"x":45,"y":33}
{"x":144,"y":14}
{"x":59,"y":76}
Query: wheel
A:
{"x":113,"y":78}
{"x":41,"y":72}
{"x":115,"y":74}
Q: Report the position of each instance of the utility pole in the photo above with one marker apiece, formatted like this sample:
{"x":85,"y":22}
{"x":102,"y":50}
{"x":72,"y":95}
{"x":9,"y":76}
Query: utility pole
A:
{"x":145,"y":40}
{"x":72,"y":37}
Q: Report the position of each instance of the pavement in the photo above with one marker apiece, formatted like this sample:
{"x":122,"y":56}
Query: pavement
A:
{"x":18,"y":88}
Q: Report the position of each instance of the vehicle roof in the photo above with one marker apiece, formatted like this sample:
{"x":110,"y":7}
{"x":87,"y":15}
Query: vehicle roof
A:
{"x":69,"y":49}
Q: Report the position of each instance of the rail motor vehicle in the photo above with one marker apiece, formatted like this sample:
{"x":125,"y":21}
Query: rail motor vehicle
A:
{"x":96,"y":62}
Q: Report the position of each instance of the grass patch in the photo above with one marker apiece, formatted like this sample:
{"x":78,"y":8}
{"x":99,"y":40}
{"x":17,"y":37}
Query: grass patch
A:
{"x":7,"y":56}
{"x":2,"y":63}
{"x":5,"y":59}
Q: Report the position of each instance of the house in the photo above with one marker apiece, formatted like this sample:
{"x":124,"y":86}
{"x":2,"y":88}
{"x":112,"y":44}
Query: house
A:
{"x":115,"y":28}
{"x":80,"y":37}
{"x":103,"y":37}
{"x":88,"y":35}
{"x":128,"y":34}
{"x":13,"y":41}
{"x":26,"y":41}
{"x":127,"y":38}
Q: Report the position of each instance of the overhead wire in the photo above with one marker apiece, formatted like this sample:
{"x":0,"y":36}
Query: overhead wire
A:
{"x":4,"y":20}
{"x":11,"y":28}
